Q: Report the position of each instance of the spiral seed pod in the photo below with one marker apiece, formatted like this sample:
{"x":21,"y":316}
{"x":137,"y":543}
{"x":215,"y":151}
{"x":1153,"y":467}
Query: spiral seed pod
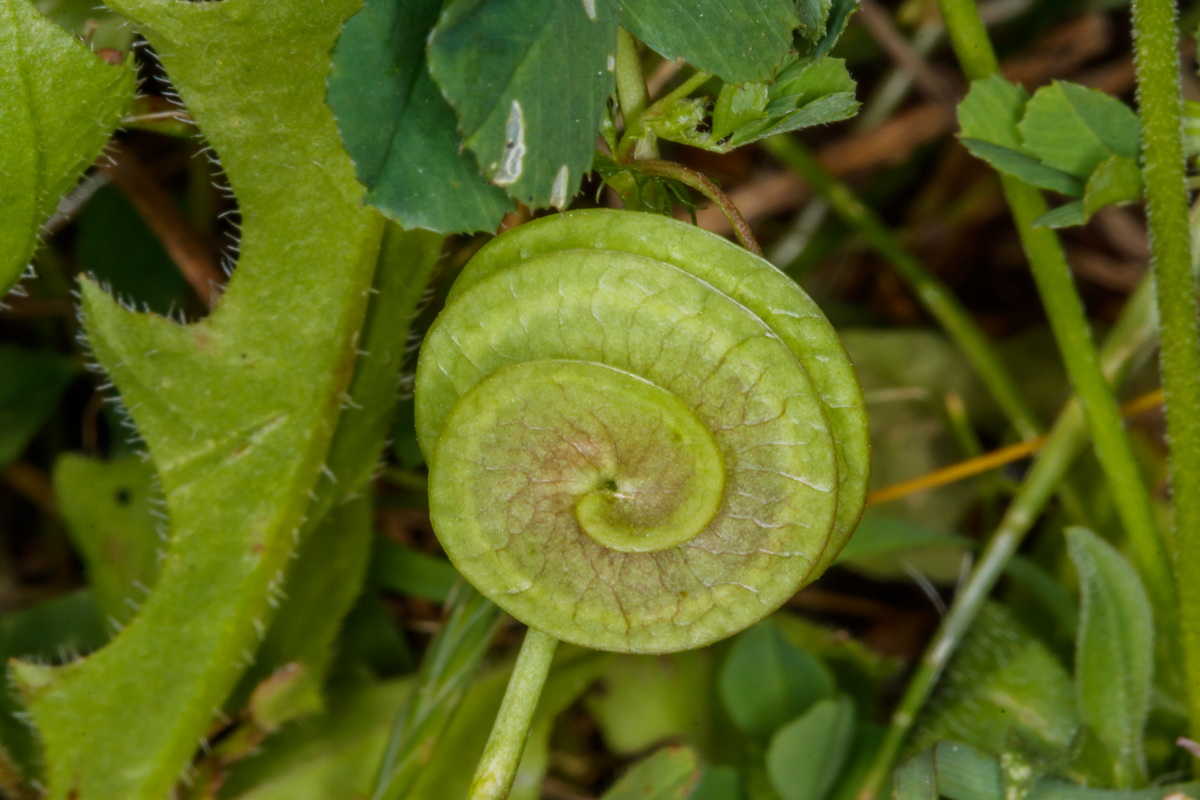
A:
{"x":640,"y":437}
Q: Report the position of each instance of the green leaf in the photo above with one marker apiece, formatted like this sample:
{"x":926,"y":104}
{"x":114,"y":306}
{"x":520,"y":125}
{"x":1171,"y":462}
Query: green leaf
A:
{"x":807,"y":755}
{"x":718,"y":783}
{"x":988,"y":118}
{"x":916,"y":779}
{"x":410,"y":572}
{"x":1116,"y":181}
{"x":29,"y":391}
{"x":1062,"y":217}
{"x":109,"y":511}
{"x":48,"y":141}
{"x":804,"y":93}
{"x":1003,"y":691}
{"x":327,"y":575}
{"x":736,"y":40}
{"x":399,"y":129}
{"x":668,"y":774}
{"x":528,"y":80}
{"x":1074,"y":129}
{"x":1028,"y":169}
{"x":766,"y":681}
{"x":1114,"y":653}
{"x":991,"y":111}
{"x":839,"y":17}
{"x":813,"y":15}
{"x":809,"y":93}
{"x":738,"y":104}
{"x":645,"y":700}
{"x":236,"y":446}
{"x":1067,"y":138}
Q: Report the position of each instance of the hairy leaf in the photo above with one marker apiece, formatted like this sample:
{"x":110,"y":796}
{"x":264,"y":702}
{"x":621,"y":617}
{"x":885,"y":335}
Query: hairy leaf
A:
{"x":1114,"y":652}
{"x":237,"y":440}
{"x":48,"y":141}
{"x":528,"y":80}
{"x":1004,"y":690}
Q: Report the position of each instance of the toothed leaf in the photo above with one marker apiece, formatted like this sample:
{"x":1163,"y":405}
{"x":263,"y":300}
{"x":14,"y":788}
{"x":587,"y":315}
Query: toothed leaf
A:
{"x":237,"y":441}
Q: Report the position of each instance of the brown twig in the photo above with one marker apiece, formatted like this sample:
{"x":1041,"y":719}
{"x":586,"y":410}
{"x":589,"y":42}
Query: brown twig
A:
{"x":191,"y":254}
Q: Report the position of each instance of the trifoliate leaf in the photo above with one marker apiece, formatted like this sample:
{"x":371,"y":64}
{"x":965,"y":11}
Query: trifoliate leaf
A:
{"x":399,"y":129}
{"x":528,"y":80}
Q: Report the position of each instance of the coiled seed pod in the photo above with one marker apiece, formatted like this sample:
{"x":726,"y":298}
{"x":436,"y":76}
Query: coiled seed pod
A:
{"x":640,"y":437}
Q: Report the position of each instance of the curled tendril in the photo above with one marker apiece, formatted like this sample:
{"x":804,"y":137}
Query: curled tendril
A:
{"x":641,"y":437}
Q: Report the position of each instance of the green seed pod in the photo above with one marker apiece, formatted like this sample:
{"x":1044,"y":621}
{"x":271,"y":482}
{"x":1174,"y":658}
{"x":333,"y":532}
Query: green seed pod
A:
{"x":640,"y":437}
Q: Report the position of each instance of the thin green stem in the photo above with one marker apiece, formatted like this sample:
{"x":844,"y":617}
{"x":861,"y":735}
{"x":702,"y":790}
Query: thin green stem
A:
{"x":1133,"y":331}
{"x":502,"y":756}
{"x":447,"y":669}
{"x":697,"y":181}
{"x":1069,"y":323}
{"x":1156,"y":43}
{"x":631,"y":85}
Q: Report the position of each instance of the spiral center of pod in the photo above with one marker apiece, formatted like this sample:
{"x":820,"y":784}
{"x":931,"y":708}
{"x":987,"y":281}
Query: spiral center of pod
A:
{"x":673,"y":485}
{"x":612,"y":455}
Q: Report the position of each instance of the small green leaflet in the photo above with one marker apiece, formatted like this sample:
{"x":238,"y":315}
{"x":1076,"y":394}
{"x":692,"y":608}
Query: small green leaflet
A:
{"x":1067,"y":138}
{"x":47,"y":144}
{"x":805,"y":92}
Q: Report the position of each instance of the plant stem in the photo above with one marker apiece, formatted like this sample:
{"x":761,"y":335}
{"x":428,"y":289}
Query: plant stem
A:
{"x":1072,"y":332}
{"x":1134,"y":329}
{"x":496,"y":770}
{"x":1156,"y":42}
{"x":631,"y":85}
{"x":697,"y":181}
{"x":446,"y":671}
